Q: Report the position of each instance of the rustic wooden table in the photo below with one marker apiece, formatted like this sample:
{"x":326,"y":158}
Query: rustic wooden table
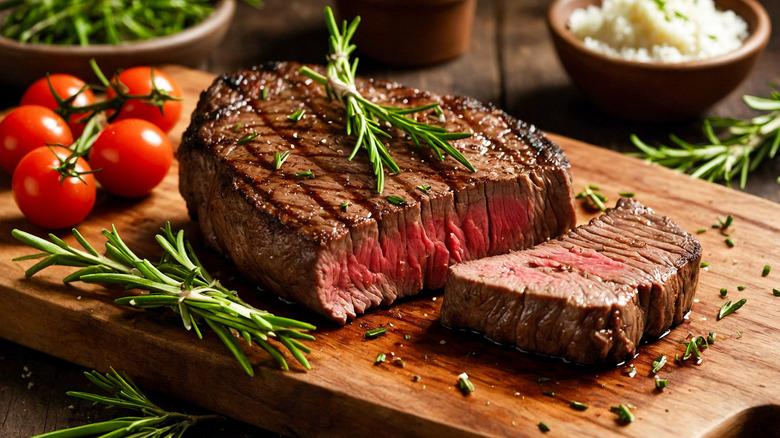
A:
{"x":511,"y":64}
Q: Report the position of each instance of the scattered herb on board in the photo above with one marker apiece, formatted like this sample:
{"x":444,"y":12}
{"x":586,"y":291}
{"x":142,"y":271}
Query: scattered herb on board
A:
{"x":280,"y":158}
{"x":711,"y":338}
{"x":375,"y":333}
{"x":381,"y":357}
{"x":297,"y":115}
{"x":658,"y":363}
{"x":704,"y":265}
{"x":624,"y":414}
{"x":723,"y":292}
{"x":729,"y":308}
{"x":742,"y":147}
{"x":592,"y":199}
{"x":464,"y":384}
{"x":766,"y":270}
{"x":543,"y":427}
{"x":776,"y":292}
{"x":730,"y":243}
{"x":407,"y":337}
{"x":399,"y":362}
{"x":153,"y":421}
{"x":627,"y":194}
{"x":701,"y":230}
{"x":740,"y":288}
{"x":542,"y":380}
{"x":660,"y":384}
{"x":363,"y":116}
{"x":578,"y":406}
{"x":691,"y":348}
{"x":631,"y":371}
{"x":549,"y":393}
{"x":178,"y":282}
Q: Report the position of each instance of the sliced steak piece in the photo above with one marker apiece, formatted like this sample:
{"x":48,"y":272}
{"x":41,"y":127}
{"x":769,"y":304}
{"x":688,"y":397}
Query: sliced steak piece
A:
{"x":588,"y":296}
{"x":331,"y":242}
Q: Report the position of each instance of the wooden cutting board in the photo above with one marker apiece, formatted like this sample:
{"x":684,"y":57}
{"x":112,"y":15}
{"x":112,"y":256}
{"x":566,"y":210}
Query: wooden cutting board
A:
{"x":735,"y":388}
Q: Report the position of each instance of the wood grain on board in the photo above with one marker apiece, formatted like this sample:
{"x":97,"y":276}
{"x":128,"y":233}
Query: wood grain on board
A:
{"x":346,"y":394}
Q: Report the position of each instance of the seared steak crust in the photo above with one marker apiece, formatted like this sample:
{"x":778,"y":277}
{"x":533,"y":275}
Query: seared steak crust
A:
{"x":589,"y":295}
{"x":331,"y":242}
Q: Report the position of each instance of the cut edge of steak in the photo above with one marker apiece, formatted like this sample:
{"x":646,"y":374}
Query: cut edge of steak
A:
{"x":292,"y":235}
{"x":588,"y":296}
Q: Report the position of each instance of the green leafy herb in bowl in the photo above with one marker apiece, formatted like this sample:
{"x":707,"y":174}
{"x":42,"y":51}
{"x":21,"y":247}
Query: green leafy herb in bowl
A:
{"x":115,"y":36}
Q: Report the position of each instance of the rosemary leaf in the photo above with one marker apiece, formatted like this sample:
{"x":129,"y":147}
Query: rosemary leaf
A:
{"x":375,"y":333}
{"x":729,"y":308}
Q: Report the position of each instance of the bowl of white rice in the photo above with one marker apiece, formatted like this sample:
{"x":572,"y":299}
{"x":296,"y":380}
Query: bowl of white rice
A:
{"x":658,"y":60}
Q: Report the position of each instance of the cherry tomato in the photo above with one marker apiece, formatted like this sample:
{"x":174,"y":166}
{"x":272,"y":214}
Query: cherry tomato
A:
{"x":65,"y":86}
{"x":30,"y":127}
{"x":43,"y":199}
{"x":138,"y":80}
{"x":133,"y":156}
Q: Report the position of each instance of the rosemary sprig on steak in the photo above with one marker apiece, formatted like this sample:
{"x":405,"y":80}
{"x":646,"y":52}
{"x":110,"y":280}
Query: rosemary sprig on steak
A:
{"x":363,"y":116}
{"x":746,"y":145}
{"x":178,"y":282}
{"x":153,"y":420}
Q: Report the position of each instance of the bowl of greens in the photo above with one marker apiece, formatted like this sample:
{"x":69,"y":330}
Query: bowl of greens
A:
{"x":63,"y":35}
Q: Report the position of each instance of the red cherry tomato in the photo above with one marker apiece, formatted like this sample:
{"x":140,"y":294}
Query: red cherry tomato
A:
{"x":138,"y":80}
{"x":30,"y":127}
{"x":65,"y":86}
{"x":133,"y":156}
{"x":43,"y":199}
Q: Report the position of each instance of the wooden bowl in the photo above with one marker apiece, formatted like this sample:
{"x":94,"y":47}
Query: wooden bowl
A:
{"x":657,"y":92}
{"x":411,"y":32}
{"x":23,"y":63}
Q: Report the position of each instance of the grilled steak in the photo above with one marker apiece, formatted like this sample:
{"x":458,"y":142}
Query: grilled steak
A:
{"x":588,"y":296}
{"x":331,"y":242}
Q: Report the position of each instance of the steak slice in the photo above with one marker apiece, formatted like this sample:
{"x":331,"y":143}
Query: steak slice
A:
{"x":331,"y":242}
{"x":588,"y":296}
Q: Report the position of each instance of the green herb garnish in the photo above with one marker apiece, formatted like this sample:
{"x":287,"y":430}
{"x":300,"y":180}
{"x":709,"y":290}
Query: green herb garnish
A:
{"x":691,"y":348}
{"x":549,"y":393}
{"x":624,"y":414}
{"x":298,"y":115}
{"x":658,"y":363}
{"x":264,"y":94}
{"x":766,"y":270}
{"x":345,"y":205}
{"x":704,"y":265}
{"x":701,"y":230}
{"x":660,"y":384}
{"x":238,"y":127}
{"x":305,"y":174}
{"x":745,"y":145}
{"x":740,"y":288}
{"x":395,"y":200}
{"x":464,"y":384}
{"x":247,"y":138}
{"x":627,"y":194}
{"x":729,"y":308}
{"x":407,"y":337}
{"x":381,"y":357}
{"x":543,"y":427}
{"x":178,"y":282}
{"x":153,"y":421}
{"x":578,"y":406}
{"x":711,"y":338}
{"x":776,"y":292}
{"x":723,"y":292}
{"x":543,"y":380}
{"x":425,"y":188}
{"x":730,"y":243}
{"x":592,"y":198}
{"x":363,"y":116}
{"x":280,"y":158}
{"x":375,"y":333}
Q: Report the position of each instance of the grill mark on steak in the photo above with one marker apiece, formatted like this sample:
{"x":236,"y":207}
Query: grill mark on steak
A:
{"x":588,"y":296}
{"x":291,"y":235}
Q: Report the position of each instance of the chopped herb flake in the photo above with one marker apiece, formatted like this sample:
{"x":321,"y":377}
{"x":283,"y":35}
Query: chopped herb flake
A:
{"x":701,"y":230}
{"x":730,"y":243}
{"x":543,"y":380}
{"x":264,"y":94}
{"x":247,"y":138}
{"x":624,"y":414}
{"x":399,"y":362}
{"x":280,"y":158}
{"x":424,"y":187}
{"x":691,"y":349}
{"x":238,"y":127}
{"x":729,"y":308}
{"x":375,"y":333}
{"x":298,"y":115}
{"x":723,"y":292}
{"x":659,"y":363}
{"x":705,"y":265}
{"x":660,"y":384}
{"x":740,"y":288}
{"x":381,"y":357}
{"x":345,"y":205}
{"x":592,"y":197}
{"x":549,"y":393}
{"x":711,"y":338}
{"x":395,"y":200}
{"x":701,"y":343}
{"x":766,"y":270}
{"x":407,"y":337}
{"x":627,"y":194}
{"x":776,"y":292}
{"x":306,"y":174}
{"x":543,"y":427}
{"x":465,"y":385}
{"x":578,"y":406}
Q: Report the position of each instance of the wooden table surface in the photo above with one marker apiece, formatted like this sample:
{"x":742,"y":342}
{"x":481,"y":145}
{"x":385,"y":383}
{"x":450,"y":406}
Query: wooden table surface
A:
{"x":511,"y":64}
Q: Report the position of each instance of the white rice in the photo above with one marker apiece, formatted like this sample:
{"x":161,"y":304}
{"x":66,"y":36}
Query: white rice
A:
{"x":659,"y":31}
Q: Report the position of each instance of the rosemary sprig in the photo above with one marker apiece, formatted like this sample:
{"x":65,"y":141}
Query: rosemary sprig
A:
{"x":746,"y":144}
{"x":592,"y":198}
{"x":179,"y":282}
{"x":154,"y":421}
{"x":363,"y":116}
